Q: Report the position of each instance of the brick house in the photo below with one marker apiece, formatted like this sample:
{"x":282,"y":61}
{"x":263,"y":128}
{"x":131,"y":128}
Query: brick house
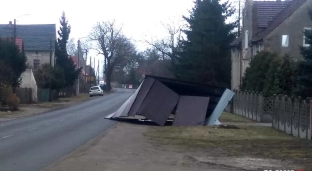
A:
{"x":276,"y":26}
{"x":36,"y":40}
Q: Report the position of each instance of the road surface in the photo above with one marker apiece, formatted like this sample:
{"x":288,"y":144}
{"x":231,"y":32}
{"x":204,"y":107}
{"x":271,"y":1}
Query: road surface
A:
{"x":32,"y":143}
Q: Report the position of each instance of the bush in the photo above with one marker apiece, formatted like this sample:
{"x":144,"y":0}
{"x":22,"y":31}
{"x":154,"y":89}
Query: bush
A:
{"x":6,"y":91}
{"x":270,"y":74}
{"x":13,"y":102}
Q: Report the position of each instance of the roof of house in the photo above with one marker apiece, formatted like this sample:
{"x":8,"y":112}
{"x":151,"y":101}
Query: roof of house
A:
{"x":267,"y":10}
{"x":36,"y":37}
{"x":237,"y":41}
{"x":279,"y":18}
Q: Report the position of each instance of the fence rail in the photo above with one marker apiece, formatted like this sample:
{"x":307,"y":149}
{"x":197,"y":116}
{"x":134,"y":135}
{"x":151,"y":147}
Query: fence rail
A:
{"x":290,"y":115}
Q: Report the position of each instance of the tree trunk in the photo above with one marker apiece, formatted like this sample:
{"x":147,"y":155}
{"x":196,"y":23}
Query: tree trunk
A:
{"x":109,"y":78}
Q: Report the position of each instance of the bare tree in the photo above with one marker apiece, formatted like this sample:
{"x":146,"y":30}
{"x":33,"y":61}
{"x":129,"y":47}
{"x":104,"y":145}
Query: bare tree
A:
{"x":115,"y":47}
{"x":71,"y":47}
{"x":168,"y":46}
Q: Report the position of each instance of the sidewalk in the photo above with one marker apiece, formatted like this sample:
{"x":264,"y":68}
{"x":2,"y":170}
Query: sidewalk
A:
{"x":34,"y":109}
{"x":125,"y":148}
{"x":133,"y":147}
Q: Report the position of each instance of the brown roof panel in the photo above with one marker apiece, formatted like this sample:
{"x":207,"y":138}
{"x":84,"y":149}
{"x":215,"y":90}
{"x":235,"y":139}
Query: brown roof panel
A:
{"x":145,"y":88}
{"x":159,"y":103}
{"x":191,"y":111}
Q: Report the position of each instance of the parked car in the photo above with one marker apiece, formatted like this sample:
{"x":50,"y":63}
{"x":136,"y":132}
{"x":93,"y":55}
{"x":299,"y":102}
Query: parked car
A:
{"x":96,"y":91}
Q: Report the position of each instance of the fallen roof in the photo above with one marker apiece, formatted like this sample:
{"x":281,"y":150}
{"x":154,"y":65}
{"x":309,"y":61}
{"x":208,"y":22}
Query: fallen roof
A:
{"x":159,"y":97}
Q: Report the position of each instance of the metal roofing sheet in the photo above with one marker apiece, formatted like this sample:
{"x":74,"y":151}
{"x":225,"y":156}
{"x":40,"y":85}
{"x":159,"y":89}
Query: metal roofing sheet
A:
{"x":191,"y":111}
{"x":145,"y":88}
{"x":159,"y":103}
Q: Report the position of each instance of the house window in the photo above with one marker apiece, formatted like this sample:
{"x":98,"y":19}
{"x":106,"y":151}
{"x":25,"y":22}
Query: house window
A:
{"x":305,"y":41}
{"x":36,"y":64}
{"x":246,"y":39}
{"x":259,"y":48}
{"x":285,"y":40}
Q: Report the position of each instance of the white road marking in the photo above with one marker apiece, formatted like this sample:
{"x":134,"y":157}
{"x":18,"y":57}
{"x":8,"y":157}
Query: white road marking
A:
{"x":7,"y":136}
{"x":32,"y":129}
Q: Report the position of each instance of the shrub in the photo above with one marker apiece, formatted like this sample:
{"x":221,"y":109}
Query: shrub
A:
{"x":13,"y":102}
{"x":6,"y":91}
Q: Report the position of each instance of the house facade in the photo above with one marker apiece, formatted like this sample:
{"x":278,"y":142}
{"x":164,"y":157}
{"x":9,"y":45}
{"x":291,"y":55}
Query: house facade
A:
{"x":36,"y":40}
{"x":276,"y":26}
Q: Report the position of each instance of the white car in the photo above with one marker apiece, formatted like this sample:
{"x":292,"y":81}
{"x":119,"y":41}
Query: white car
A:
{"x":96,"y":91}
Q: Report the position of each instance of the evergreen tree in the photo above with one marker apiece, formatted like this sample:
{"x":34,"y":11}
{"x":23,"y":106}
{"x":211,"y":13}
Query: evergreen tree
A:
{"x":13,"y":60}
{"x":205,"y":56}
{"x":304,"y":68}
{"x":62,"y":59}
{"x":255,"y":75}
{"x":271,"y":84}
{"x":285,"y":76}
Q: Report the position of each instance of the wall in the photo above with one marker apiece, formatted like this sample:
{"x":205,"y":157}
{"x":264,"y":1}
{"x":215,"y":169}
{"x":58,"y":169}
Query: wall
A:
{"x":290,"y":115}
{"x":43,"y":56}
{"x":293,"y":26}
{"x":247,"y":25}
{"x":235,"y":78}
{"x":28,"y":81}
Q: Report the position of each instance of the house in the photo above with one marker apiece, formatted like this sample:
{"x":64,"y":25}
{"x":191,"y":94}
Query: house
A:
{"x":276,"y":26}
{"x":83,"y":73}
{"x":36,"y":39}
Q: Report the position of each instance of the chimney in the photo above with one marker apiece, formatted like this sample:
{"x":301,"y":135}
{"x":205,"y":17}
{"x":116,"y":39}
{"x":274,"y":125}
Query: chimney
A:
{"x":10,"y":22}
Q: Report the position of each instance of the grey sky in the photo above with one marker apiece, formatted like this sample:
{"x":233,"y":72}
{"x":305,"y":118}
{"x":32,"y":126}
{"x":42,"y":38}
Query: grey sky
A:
{"x":138,"y":17}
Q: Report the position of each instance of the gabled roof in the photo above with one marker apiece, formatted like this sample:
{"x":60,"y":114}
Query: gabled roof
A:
{"x":267,"y":10}
{"x":236,"y":42}
{"x":36,"y":37}
{"x":279,"y":18}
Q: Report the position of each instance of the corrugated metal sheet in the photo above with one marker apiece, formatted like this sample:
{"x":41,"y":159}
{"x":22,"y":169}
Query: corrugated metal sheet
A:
{"x":124,"y":109}
{"x":145,"y":88}
{"x":185,"y":88}
{"x":191,"y":111}
{"x":223,"y":102}
{"x":159,"y":103}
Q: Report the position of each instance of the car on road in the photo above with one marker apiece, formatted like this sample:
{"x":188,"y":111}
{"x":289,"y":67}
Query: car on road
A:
{"x":96,"y":91}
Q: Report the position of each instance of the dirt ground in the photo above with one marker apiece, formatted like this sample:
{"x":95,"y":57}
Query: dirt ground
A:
{"x":139,"y":147}
{"x":34,"y":109}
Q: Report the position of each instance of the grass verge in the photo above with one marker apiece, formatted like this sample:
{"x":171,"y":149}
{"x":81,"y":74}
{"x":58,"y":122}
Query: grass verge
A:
{"x":229,"y":117}
{"x":255,"y":141}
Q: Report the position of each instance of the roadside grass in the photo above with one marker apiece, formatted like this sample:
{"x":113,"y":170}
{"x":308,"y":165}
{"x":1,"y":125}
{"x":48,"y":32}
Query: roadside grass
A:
{"x":254,"y":141}
{"x":229,"y":117}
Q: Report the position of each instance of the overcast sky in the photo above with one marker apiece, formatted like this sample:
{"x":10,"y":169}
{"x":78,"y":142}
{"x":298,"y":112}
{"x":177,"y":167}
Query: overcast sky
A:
{"x":138,"y":17}
{"x":141,"y":19}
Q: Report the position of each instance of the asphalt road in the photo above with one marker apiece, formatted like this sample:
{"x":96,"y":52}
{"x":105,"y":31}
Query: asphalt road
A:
{"x":32,"y":143}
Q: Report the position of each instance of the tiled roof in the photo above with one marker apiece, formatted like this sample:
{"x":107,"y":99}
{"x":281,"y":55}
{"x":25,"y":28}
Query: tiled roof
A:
{"x":36,"y":37}
{"x":278,"y":19}
{"x":267,"y":10}
{"x":237,"y":41}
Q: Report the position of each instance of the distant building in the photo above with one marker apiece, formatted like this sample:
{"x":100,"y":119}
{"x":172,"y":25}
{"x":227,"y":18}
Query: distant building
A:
{"x":275,"y":26}
{"x":36,"y":39}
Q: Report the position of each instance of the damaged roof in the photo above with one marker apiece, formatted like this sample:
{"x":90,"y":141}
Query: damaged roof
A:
{"x":191,"y":103}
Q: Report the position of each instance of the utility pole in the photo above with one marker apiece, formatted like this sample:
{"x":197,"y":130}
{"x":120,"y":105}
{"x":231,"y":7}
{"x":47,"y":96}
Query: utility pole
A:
{"x":94,"y":70}
{"x":239,"y":17}
{"x":50,"y":81}
{"x":90,"y":68}
{"x":14,"y":32}
{"x":98,"y":71}
{"x":86,"y":64}
{"x":78,"y":62}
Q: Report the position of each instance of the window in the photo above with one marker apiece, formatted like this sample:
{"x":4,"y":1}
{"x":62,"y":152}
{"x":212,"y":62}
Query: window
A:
{"x":305,"y":41}
{"x":246,"y":39}
{"x":285,"y":40}
{"x":36,"y":64}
